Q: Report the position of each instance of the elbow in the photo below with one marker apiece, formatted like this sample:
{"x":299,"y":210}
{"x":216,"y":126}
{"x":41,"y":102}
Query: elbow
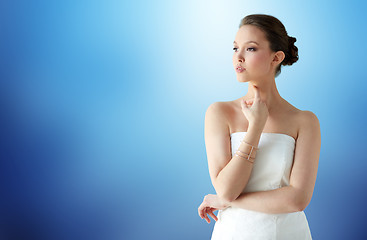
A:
{"x":227,"y":196}
{"x":300,"y":207}
{"x":225,"y":193}
{"x":301,"y":203}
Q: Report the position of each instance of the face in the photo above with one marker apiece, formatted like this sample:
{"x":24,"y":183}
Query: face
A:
{"x":253,"y":53}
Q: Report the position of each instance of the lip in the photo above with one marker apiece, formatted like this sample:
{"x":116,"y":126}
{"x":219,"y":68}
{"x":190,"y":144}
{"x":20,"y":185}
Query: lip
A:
{"x":240,"y":69}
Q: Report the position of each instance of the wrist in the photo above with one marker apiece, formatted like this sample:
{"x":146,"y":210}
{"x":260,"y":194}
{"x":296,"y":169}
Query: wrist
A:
{"x":255,"y":128}
{"x":227,"y":204}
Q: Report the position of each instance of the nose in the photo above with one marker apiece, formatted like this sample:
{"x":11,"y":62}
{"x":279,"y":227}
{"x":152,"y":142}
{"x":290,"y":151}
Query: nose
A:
{"x":240,"y":57}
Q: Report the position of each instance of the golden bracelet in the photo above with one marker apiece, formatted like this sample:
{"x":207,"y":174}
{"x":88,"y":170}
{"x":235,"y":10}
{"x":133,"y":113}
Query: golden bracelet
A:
{"x":246,"y":155}
{"x":250,"y":145}
{"x":248,"y":159}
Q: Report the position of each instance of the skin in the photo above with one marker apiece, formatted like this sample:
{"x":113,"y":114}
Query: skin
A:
{"x":261,"y":109}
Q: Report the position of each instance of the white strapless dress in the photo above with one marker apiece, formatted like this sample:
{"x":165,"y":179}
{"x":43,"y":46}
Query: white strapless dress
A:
{"x":271,"y":170}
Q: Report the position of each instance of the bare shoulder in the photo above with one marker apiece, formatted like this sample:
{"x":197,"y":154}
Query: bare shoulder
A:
{"x":309,"y":126}
{"x":214,"y":108}
{"x":218,"y":112}
{"x":300,"y":121}
{"x":219,"y":108}
{"x":308,"y":120}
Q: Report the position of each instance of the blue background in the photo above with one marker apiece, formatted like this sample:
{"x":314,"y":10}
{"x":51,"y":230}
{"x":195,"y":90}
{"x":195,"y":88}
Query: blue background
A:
{"x":103,"y":105}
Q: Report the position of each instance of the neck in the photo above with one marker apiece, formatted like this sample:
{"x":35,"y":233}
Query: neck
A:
{"x":268,"y":93}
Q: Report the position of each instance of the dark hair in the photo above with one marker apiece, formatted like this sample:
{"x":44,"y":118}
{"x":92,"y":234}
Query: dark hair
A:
{"x":277,"y":36}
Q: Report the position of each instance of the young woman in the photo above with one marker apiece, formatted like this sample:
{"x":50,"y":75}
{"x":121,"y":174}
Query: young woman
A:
{"x":262,"y":151}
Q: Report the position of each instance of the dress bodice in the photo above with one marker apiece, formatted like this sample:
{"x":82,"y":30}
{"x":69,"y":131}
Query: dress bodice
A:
{"x":271,"y":170}
{"x":273,"y":162}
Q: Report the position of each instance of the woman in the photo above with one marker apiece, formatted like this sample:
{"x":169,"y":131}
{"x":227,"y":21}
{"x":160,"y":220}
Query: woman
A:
{"x":262,"y":152}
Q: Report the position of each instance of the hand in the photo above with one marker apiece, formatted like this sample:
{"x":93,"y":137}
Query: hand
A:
{"x":210,"y":204}
{"x":257,"y":113}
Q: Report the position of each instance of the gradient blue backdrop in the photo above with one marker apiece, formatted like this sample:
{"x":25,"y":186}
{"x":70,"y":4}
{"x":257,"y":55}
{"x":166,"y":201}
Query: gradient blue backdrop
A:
{"x":103,"y":105}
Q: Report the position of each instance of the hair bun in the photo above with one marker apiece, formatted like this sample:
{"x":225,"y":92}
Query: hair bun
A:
{"x":292,"y":55}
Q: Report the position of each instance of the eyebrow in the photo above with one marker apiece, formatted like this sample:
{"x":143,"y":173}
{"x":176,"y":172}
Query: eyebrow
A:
{"x":248,"y":42}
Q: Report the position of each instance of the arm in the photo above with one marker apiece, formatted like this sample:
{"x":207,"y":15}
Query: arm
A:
{"x":281,"y":200}
{"x":229,"y":175}
{"x":298,"y":194}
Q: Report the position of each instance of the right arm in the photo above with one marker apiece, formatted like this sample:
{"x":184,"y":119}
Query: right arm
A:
{"x":229,"y":175}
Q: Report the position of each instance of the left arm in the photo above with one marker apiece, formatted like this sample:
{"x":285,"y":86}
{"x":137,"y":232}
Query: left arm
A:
{"x":298,"y":194}
{"x":282,"y":200}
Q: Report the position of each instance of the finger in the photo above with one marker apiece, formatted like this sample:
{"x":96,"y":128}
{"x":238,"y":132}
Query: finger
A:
{"x":201,"y":210}
{"x":206,"y":217}
{"x":203,"y":213}
{"x":243,"y":103}
{"x":200,"y":213}
{"x":213,"y":215}
{"x":257,"y":93}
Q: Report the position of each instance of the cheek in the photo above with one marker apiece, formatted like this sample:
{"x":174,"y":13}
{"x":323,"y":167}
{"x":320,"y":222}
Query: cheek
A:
{"x":234,"y":59}
{"x":260,"y":61}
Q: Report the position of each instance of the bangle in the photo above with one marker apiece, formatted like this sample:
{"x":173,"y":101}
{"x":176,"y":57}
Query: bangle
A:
{"x":248,"y":159}
{"x":246,"y":155}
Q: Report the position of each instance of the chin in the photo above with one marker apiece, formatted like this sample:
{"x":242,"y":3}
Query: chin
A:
{"x":242,"y":79}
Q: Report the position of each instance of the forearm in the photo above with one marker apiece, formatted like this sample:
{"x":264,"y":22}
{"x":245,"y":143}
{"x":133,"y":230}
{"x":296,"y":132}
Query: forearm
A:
{"x":281,"y":200}
{"x":233,"y":178}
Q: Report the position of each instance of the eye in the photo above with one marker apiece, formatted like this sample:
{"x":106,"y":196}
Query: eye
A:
{"x":251,"y":49}
{"x":235,"y":49}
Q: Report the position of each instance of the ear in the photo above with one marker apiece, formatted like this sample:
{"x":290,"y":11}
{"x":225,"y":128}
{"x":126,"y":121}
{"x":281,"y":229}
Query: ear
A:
{"x":278,"y":58}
